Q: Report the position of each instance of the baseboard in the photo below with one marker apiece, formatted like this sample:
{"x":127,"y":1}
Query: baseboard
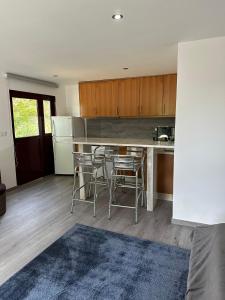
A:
{"x":166,"y":197}
{"x":12,"y":188}
{"x":26,"y":184}
{"x":186,"y":223}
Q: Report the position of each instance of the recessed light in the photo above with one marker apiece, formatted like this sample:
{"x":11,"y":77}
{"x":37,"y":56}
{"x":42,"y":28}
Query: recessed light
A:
{"x":117,"y":17}
{"x":125,"y":68}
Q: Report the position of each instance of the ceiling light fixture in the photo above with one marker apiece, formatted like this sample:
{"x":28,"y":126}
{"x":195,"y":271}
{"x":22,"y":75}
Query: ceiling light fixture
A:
{"x":117,"y":17}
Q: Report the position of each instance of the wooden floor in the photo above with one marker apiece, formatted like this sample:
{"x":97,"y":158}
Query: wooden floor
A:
{"x":39,"y":213}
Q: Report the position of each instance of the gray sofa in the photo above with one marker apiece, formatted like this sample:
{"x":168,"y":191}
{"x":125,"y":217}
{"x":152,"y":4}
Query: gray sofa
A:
{"x":2,"y":197}
{"x":206,"y":278}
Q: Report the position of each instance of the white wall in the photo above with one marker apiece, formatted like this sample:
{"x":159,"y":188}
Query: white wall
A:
{"x":72,"y":100}
{"x":199,"y":175}
{"x":7,"y":161}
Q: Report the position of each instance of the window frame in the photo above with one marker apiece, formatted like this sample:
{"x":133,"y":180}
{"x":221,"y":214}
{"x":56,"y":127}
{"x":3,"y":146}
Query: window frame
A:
{"x":37,"y":120}
{"x":40,"y":110}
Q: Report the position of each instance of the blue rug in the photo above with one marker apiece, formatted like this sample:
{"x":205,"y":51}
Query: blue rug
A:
{"x":88,"y":263}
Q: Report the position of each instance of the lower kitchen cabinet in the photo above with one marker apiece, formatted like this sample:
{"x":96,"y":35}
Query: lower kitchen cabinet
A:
{"x":165,"y":173}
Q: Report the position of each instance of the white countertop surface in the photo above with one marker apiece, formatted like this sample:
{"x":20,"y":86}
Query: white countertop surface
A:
{"x":147,"y":143}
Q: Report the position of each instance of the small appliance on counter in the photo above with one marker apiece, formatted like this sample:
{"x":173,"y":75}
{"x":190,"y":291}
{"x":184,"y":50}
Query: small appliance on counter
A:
{"x":164,"y":133}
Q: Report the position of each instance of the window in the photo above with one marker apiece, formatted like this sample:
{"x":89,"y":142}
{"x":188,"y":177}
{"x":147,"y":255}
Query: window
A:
{"x":47,"y":116}
{"x":25,"y":115}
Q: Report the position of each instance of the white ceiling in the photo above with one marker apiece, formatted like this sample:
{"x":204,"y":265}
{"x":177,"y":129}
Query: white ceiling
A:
{"x":78,"y":40}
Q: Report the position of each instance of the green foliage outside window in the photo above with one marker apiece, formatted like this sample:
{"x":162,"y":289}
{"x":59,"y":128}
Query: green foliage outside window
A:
{"x":47,"y":116}
{"x":25,"y":117}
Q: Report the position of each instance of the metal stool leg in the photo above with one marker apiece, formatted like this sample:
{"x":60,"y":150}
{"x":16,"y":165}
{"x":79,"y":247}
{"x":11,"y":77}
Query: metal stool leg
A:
{"x":73,"y":200}
{"x":89,"y":189}
{"x":95,"y":192}
{"x":107,"y":176}
{"x":74,"y":189}
{"x":111,"y":195}
{"x":72,"y":206}
{"x":89,"y":184}
{"x":142,"y":186}
{"x":136,"y":199}
{"x":103,"y":172}
{"x":114,"y":200}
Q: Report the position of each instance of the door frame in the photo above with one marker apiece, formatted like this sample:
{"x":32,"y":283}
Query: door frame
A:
{"x":40,"y":111}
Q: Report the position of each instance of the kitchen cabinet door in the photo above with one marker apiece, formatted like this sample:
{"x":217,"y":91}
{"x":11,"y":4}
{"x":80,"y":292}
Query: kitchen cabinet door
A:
{"x":129,"y":97}
{"x":169,"y":94}
{"x":151,"y":96}
{"x":87,"y":99}
{"x":165,"y":173}
{"x":106,"y":97}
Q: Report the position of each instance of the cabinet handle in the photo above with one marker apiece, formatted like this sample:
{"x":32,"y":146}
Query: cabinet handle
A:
{"x":117,"y":110}
{"x":164,"y":108}
{"x":140,"y":109}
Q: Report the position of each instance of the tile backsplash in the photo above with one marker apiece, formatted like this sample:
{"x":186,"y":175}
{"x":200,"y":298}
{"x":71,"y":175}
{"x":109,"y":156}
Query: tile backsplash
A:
{"x":122,"y":128}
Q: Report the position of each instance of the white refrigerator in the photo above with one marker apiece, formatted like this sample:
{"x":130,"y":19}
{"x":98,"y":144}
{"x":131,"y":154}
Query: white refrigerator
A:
{"x":64,"y":131}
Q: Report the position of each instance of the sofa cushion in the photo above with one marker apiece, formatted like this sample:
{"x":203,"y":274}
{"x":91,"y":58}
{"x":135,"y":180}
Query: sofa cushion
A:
{"x":207,"y":264}
{"x":2,"y":188}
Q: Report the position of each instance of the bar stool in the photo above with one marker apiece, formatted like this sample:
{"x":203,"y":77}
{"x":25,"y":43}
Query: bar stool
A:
{"x":140,"y":152}
{"x":133,"y":163}
{"x":88,"y":164}
{"x":107,"y":152}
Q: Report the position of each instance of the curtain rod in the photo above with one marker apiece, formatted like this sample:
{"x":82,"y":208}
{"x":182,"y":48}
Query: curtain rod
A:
{"x":32,"y":79}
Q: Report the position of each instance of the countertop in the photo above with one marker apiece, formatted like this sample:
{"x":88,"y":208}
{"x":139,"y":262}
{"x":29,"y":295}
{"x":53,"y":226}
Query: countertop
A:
{"x":146,"y":143}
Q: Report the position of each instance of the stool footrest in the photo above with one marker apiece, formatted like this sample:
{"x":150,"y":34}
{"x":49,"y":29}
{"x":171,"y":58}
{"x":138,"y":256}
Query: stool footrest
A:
{"x":82,"y":200}
{"x":123,"y":206}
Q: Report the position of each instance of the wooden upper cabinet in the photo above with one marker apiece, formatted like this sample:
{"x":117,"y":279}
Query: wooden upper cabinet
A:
{"x":151,"y":96}
{"x":106,"y":97}
{"x":87,"y":99}
{"x":169,"y":94}
{"x":129,"y":97}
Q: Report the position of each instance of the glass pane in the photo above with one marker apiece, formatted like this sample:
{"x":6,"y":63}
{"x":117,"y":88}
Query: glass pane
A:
{"x":47,"y":116}
{"x":25,"y":116}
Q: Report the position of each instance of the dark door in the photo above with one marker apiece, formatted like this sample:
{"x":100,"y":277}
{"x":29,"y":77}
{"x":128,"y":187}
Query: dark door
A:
{"x":31,"y":122}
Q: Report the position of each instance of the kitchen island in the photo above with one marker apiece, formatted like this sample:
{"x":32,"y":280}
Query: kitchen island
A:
{"x":84,"y":145}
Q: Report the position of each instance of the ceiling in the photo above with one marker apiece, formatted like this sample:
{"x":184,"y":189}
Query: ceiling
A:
{"x":78,"y":39}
